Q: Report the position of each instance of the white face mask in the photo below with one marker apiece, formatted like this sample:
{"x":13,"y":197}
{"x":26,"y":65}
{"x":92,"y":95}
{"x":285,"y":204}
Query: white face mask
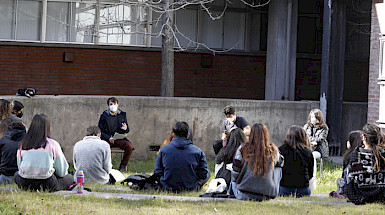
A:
{"x":231,"y":119}
{"x":348,"y":144}
{"x":313,"y":120}
{"x":113,"y":108}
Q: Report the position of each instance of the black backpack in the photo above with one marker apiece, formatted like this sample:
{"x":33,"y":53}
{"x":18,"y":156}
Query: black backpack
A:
{"x":142,"y":182}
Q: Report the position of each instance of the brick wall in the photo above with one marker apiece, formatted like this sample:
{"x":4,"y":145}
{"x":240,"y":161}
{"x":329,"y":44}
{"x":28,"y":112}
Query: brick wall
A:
{"x":127,"y":72}
{"x":374,"y":90}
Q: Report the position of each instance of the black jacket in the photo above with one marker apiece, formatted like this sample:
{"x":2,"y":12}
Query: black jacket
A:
{"x":298,"y":168}
{"x":9,"y":145}
{"x":105,"y":124}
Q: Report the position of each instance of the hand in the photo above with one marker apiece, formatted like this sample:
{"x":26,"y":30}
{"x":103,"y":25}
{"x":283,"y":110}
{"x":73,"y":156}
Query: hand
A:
{"x":223,"y":136}
{"x":313,"y":143}
{"x":112,"y":140}
{"x":124,"y":126}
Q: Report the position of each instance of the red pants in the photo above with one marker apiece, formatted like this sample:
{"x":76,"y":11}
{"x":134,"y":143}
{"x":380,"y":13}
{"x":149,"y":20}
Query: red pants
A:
{"x":127,"y":146}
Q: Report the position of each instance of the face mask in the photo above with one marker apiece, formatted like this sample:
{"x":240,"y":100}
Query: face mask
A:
{"x":113,"y":108}
{"x":231,"y":119}
{"x":20,"y":114}
{"x":313,"y":120}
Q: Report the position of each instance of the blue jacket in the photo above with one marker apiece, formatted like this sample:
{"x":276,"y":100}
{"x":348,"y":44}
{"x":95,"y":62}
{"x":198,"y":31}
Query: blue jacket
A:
{"x":105,"y":124}
{"x":180,"y":165}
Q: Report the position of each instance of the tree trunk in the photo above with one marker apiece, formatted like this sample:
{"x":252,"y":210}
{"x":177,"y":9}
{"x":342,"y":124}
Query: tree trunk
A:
{"x":167,"y":84}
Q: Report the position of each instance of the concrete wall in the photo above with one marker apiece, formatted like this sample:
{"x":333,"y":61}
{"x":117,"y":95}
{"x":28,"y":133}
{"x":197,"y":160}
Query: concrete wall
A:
{"x":151,"y":118}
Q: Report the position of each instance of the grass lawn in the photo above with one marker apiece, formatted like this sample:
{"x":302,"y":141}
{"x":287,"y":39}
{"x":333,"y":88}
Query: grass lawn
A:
{"x":21,"y":202}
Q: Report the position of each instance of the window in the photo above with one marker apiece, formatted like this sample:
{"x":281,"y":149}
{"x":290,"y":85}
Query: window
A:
{"x":7,"y":19}
{"x":111,"y":22}
{"x":20,"y":19}
{"x":123,"y":24}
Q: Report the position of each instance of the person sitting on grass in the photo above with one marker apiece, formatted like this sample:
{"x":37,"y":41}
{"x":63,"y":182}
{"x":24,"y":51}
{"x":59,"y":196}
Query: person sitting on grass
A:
{"x":180,"y":165}
{"x":226,"y":154}
{"x":299,"y":163}
{"x":354,"y":141}
{"x":366,"y":168}
{"x":9,"y":145}
{"x":169,"y":138}
{"x":17,"y":110}
{"x":253,"y":176}
{"x":93,"y":156}
{"x":40,"y":160}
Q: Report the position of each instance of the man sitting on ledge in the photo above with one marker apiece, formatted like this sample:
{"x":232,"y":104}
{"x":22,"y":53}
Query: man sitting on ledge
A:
{"x":180,"y":165}
{"x":112,"y":121}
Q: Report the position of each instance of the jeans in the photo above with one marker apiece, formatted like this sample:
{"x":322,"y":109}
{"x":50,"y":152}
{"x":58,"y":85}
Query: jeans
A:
{"x":6,"y":179}
{"x":298,"y":192}
{"x":233,"y":190}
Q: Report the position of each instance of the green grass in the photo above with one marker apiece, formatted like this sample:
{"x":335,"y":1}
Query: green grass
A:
{"x":49,"y":203}
{"x":22,"y":202}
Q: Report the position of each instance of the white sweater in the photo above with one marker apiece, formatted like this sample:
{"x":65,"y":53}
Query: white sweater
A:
{"x":93,"y":156}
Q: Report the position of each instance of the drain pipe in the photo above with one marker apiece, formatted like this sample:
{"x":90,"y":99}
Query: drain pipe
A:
{"x":288,"y":44}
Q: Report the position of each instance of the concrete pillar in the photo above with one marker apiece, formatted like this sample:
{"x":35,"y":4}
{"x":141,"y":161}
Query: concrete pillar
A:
{"x":281,"y":50}
{"x":332,"y":71}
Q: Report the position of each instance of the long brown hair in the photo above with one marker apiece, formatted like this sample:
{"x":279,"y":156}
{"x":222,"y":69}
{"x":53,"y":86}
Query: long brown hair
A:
{"x":259,"y":151}
{"x":4,"y":124}
{"x":37,"y":134}
{"x":297,"y":138}
{"x":235,"y":139}
{"x":375,"y":138}
{"x":354,"y":140}
{"x":319,"y":116}
{"x":5,"y":109}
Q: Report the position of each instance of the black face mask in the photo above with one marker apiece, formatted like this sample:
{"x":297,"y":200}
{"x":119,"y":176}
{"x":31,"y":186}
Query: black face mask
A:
{"x":20,"y":114}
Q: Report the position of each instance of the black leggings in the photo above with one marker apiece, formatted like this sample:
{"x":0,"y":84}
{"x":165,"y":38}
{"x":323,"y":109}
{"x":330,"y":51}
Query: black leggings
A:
{"x":51,"y":184}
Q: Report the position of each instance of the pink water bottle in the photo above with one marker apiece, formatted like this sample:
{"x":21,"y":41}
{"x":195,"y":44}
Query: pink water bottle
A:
{"x":80,"y":181}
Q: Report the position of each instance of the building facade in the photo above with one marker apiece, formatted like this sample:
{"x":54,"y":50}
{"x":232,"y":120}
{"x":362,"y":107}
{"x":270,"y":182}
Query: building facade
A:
{"x":285,"y":50}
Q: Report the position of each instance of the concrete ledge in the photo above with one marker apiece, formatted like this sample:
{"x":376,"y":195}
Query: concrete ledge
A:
{"x":151,"y":118}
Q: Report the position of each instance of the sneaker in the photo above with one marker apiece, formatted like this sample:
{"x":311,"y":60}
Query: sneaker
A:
{"x":123,"y":169}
